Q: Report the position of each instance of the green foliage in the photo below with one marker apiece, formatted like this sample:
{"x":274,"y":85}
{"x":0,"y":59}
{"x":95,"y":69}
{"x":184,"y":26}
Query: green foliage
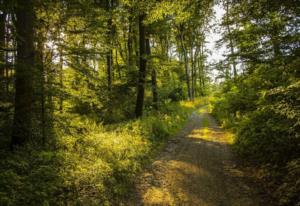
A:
{"x":267,"y":127}
{"x":92,"y":163}
{"x":176,"y":94}
{"x":261,"y":101}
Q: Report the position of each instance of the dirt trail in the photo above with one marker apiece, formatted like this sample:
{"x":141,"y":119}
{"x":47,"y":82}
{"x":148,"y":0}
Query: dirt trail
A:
{"x":196,"y":168}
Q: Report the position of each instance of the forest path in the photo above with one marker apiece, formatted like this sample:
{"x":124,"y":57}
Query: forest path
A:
{"x":196,"y":168}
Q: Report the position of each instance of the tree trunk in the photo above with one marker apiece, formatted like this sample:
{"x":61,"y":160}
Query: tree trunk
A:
{"x":109,"y":69}
{"x":142,"y":70}
{"x":200,"y":76}
{"x":41,"y":86}
{"x":109,"y":54}
{"x":130,"y":60}
{"x":186,"y":65}
{"x":193,"y":77}
{"x":2,"y":55}
{"x":118,"y":68}
{"x":25,"y":70}
{"x":232,"y":58}
{"x":153,"y":77}
{"x":194,"y":73}
{"x":61,"y":81}
{"x":201,"y":71}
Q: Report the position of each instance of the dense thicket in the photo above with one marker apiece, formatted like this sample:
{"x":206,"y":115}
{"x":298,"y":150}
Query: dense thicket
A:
{"x":260,"y":94}
{"x":75,"y":76}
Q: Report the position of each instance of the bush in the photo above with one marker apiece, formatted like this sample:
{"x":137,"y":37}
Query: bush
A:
{"x":268,"y":134}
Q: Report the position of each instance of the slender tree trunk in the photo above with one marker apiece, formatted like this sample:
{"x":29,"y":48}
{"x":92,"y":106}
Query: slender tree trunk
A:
{"x":109,"y":54}
{"x":186,"y":64}
{"x":130,"y":60}
{"x":142,"y":70}
{"x":200,"y":75}
{"x":193,"y":77}
{"x":2,"y":55}
{"x":201,"y":71}
{"x":232,"y":58}
{"x":153,"y":77}
{"x":109,"y":70}
{"x":25,"y":70}
{"x":7,"y":76}
{"x":61,"y":81}
{"x":194,"y":65}
{"x":117,"y":65}
{"x":41,"y":86}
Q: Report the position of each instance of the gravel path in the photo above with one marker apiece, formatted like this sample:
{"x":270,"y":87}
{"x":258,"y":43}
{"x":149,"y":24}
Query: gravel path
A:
{"x":196,"y":168}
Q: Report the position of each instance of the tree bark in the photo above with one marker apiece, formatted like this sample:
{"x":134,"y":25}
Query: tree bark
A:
{"x":25,"y":70}
{"x":41,"y":85}
{"x":232,"y":59}
{"x":142,"y":70}
{"x":109,"y":54}
{"x":61,"y":81}
{"x":186,"y":64}
{"x":2,"y":55}
{"x":153,"y":77}
{"x":130,"y":60}
{"x":201,"y":70}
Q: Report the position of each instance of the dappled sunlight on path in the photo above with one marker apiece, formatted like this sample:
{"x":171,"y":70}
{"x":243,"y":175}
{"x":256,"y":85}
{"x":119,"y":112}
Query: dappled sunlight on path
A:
{"x":196,"y":168}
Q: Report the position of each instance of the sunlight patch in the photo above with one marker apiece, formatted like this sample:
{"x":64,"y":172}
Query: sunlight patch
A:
{"x":212,"y":135}
{"x":158,"y":196}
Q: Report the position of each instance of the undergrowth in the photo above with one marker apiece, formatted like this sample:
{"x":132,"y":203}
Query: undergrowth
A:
{"x":267,"y":135}
{"x":89,"y":163}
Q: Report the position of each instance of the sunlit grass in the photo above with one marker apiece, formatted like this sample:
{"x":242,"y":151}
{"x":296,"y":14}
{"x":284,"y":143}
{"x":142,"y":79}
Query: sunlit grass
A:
{"x":212,"y":133}
{"x":157,"y":196}
{"x":188,"y":104}
{"x":194,"y":103}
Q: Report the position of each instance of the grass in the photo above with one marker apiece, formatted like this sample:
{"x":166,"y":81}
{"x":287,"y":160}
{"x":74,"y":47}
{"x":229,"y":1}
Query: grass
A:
{"x":90,"y":163}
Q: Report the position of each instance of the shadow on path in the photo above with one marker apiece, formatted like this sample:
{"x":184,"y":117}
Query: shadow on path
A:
{"x":196,"y":168}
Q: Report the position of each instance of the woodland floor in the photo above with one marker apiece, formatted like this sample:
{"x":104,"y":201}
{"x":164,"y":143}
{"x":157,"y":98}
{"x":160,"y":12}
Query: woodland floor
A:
{"x":197,"y":168}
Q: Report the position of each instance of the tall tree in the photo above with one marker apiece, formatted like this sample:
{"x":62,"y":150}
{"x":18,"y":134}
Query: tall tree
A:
{"x":2,"y":51}
{"x":109,"y":53}
{"x":25,"y":70}
{"x":186,"y":61}
{"x":142,"y":69}
{"x":230,"y":38}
